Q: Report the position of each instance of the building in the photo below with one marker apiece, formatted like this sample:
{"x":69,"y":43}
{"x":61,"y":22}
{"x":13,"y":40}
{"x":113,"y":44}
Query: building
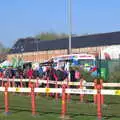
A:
{"x":31,"y":49}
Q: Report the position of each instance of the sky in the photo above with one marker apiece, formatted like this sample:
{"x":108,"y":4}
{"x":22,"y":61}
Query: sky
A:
{"x":26,"y":18}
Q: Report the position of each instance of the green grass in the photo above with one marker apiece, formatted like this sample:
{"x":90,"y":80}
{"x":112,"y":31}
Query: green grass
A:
{"x":50,"y":109}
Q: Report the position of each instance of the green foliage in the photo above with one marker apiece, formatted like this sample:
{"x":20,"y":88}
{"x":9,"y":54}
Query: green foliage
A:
{"x":51,"y":36}
{"x":115,"y":75}
{"x":3,"y":52}
{"x":3,"y":49}
{"x":87,"y":75}
{"x":17,"y":62}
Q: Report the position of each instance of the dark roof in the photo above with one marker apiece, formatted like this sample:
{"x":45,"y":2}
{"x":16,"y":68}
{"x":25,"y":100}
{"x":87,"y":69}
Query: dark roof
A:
{"x":32,"y":44}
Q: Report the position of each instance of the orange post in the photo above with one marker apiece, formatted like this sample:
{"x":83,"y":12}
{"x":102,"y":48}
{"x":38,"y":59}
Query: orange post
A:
{"x":29,"y":84}
{"x":99,"y":113}
{"x":47,"y":82}
{"x":102,"y":96}
{"x":21,"y":84}
{"x":6,"y":98}
{"x":81,"y":87}
{"x":33,"y":104}
{"x":2,"y":81}
{"x":13,"y":82}
{"x":37,"y":84}
{"x":56,"y":86}
{"x":47,"y":85}
{"x":68,"y":94}
{"x":8,"y":81}
{"x":56,"y":94}
{"x":63,"y":112}
{"x":95,"y":87}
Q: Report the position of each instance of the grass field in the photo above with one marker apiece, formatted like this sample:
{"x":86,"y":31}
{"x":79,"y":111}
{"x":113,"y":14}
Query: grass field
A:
{"x":49,"y":109}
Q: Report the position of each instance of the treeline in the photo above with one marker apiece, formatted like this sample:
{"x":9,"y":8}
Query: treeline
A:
{"x":51,"y":36}
{"x":3,"y":52}
{"x":41,"y":36}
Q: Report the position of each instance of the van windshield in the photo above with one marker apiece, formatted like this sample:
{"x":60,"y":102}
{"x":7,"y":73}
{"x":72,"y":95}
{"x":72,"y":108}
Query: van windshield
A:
{"x":89,"y":62}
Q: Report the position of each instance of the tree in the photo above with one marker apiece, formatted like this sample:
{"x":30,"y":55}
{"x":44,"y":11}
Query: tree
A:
{"x":3,"y":52}
{"x":50,"y":36}
{"x":1,"y":48}
{"x":115,"y":75}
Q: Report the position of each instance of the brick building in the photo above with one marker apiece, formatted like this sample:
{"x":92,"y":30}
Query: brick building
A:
{"x":31,"y":49}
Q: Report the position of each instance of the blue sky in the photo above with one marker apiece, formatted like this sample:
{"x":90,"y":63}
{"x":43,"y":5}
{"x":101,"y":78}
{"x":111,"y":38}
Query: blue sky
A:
{"x":24,"y":18}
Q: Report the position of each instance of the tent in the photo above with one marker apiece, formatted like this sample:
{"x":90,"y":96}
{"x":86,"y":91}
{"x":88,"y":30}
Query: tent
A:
{"x":111,"y":52}
{"x":5,"y":64}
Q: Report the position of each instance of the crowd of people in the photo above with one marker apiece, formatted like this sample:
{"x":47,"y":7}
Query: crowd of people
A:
{"x":42,"y":73}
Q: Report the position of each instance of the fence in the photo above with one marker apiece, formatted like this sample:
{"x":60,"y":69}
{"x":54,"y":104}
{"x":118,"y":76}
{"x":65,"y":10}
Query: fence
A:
{"x":106,"y":67}
{"x":97,"y":92}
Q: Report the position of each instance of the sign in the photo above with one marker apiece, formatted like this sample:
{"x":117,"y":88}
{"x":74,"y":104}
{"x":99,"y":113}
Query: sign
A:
{"x":81,"y":91}
{"x":47,"y":90}
{"x":117,"y":92}
{"x":17,"y":89}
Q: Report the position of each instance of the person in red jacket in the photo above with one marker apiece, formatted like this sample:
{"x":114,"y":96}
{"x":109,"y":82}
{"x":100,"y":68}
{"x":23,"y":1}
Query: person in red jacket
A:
{"x":30,"y":73}
{"x":1,"y":74}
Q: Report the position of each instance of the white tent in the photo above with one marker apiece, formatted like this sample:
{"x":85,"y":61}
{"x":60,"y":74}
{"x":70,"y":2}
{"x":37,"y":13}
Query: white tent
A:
{"x":35,"y":66}
{"x":6,"y":63}
{"x":111,"y":52}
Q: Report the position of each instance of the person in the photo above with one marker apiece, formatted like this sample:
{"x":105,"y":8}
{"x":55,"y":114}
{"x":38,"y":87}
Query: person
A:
{"x":82,"y":82}
{"x":82,"y":86}
{"x":1,"y":73}
{"x":51,"y":73}
{"x":40,"y":72}
{"x":30,"y":73}
{"x":61,"y":74}
{"x":77,"y":75}
{"x":72,"y":75}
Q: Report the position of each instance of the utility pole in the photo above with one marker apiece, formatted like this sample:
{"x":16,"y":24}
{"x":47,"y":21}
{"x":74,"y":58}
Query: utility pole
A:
{"x":37,"y":50}
{"x":70,"y":24}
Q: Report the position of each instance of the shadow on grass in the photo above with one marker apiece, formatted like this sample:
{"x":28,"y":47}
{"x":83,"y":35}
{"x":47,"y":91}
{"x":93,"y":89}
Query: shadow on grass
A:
{"x":107,"y":117}
{"x":18,"y":109}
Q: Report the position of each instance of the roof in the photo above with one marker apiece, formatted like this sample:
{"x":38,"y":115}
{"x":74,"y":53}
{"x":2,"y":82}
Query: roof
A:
{"x":32,"y":44}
